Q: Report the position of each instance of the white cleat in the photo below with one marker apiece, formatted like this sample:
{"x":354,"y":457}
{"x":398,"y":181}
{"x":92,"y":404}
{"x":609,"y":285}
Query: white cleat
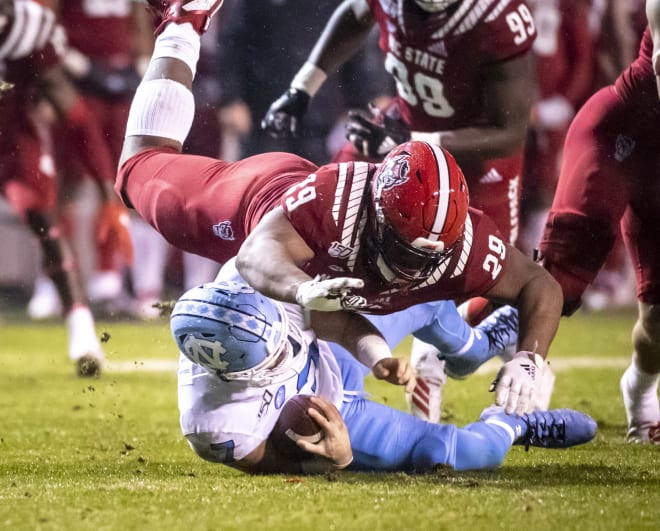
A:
{"x":84,"y":347}
{"x":642,"y":413}
{"x":425,"y":401}
{"x":45,"y":302}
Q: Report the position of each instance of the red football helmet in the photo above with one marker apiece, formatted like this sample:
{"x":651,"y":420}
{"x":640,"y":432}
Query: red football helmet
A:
{"x":418,"y":212}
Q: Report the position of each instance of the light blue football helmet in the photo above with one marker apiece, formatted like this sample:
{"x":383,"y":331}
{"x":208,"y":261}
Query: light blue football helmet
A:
{"x":231,"y":330}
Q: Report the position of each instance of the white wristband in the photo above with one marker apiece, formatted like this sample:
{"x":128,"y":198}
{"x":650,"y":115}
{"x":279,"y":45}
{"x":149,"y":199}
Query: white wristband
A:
{"x":309,"y":79}
{"x":432,"y":138}
{"x":370,"y":351}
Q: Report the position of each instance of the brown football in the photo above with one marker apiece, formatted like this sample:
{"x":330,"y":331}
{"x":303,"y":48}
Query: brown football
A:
{"x":295,"y":423}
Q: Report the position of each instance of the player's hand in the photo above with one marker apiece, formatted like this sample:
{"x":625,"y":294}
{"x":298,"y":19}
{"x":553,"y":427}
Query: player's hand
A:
{"x":326,"y":295}
{"x":516,"y":381}
{"x":284,"y":116}
{"x":375,"y":134}
{"x":335,"y":444}
{"x":395,"y":371}
{"x":112,"y":231}
{"x":545,"y":384}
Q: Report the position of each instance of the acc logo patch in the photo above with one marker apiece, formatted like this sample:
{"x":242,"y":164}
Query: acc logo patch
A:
{"x":224,"y":230}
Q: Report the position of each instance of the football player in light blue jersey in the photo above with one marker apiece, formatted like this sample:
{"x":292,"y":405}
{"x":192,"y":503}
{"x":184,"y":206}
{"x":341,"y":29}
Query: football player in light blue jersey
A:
{"x":244,"y":355}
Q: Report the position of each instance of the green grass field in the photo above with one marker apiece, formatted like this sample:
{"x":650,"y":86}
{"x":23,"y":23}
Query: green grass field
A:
{"x":108,"y":453}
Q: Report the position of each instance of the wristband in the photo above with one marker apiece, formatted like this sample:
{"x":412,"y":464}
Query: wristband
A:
{"x":309,"y":79}
{"x":370,"y":351}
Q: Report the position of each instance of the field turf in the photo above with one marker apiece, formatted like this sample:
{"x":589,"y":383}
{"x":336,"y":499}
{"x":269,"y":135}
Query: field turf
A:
{"x":107,"y":454}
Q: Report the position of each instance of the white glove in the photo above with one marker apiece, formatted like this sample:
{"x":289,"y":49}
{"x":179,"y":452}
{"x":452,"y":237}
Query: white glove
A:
{"x":545,"y":384}
{"x":326,"y":295}
{"x":516,"y":382}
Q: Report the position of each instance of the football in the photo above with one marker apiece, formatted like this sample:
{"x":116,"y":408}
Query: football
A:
{"x":295,"y":423}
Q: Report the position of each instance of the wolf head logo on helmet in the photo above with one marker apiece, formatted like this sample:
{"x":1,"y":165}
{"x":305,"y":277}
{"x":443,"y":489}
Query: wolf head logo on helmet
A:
{"x":419,"y":204}
{"x":232,"y":330}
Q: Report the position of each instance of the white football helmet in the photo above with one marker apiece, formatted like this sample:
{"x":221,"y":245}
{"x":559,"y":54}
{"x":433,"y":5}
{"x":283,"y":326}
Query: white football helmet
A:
{"x":433,"y":6}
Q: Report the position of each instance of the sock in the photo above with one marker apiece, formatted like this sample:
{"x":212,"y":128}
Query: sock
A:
{"x":483,"y":444}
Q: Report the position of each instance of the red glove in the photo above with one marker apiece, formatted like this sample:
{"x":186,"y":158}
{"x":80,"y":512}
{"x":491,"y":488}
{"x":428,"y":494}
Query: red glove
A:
{"x":112,"y":231}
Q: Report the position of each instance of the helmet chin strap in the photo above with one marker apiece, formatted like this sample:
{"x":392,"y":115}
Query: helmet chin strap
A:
{"x":433,"y":6}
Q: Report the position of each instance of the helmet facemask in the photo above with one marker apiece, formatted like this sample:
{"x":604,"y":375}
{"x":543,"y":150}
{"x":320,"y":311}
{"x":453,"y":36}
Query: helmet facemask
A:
{"x":433,"y":6}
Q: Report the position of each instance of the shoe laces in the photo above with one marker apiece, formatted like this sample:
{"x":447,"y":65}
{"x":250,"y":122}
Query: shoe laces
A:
{"x":499,"y":335}
{"x":540,"y":430}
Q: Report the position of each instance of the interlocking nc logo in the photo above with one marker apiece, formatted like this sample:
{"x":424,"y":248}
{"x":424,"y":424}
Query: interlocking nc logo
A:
{"x":206,"y":353}
{"x":224,"y":230}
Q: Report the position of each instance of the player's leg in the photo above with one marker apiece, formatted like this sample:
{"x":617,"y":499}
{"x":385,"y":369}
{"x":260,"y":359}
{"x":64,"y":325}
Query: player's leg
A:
{"x":163,"y":107}
{"x":639,"y":383}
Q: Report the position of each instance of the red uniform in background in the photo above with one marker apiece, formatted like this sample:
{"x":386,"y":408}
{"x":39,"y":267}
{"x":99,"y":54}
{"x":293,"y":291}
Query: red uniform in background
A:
{"x":27,"y":170}
{"x":565,"y":55}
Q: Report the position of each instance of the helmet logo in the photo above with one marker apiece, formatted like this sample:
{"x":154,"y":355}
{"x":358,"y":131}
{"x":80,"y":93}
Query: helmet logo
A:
{"x":206,"y":353}
{"x":395,"y":172}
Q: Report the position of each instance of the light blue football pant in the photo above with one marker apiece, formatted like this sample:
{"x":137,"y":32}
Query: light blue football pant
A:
{"x":384,"y":438}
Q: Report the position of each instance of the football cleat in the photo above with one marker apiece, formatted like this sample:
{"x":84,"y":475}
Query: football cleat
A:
{"x":197,"y":12}
{"x":426,"y":398}
{"x":642,"y":412}
{"x":557,"y":428}
{"x":501,"y":328}
{"x":84,"y":347}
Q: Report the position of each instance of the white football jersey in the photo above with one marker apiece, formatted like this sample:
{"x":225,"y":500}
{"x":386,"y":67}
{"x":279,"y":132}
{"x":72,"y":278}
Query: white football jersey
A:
{"x":229,"y":419}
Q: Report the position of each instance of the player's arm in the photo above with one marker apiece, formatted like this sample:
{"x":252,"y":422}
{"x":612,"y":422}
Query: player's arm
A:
{"x":538,"y":297}
{"x":361,"y":338}
{"x":508,"y":88}
{"x":342,"y":38}
{"x":270,"y":258}
{"x":653,"y":16}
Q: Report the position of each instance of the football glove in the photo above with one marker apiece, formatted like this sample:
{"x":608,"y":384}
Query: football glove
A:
{"x":112,"y":231}
{"x":284,"y":116}
{"x":516,"y":382}
{"x":326,"y":295}
{"x":375,"y":134}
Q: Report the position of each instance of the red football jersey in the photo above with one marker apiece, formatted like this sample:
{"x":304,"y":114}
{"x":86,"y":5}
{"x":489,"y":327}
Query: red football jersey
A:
{"x":564,"y":48}
{"x":102,"y":30}
{"x":328,"y":211}
{"x":437,"y":59}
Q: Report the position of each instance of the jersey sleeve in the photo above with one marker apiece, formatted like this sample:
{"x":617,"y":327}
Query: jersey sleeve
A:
{"x":507,"y":33}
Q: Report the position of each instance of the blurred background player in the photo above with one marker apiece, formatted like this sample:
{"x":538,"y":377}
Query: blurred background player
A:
{"x":564,"y":52}
{"x":232,"y":361}
{"x":464,"y":80}
{"x":609,"y":180}
{"x":29,"y":45}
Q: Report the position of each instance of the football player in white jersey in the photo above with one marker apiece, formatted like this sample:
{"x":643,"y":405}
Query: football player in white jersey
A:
{"x":244,"y":355}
